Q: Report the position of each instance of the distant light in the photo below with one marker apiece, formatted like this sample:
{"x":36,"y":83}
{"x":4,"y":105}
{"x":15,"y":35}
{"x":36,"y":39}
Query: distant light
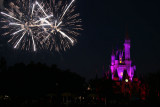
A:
{"x":120,"y":61}
{"x":6,"y":96}
{"x":88,"y":88}
{"x":126,"y":80}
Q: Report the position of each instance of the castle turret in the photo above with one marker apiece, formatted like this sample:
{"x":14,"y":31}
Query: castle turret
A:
{"x":112,"y":63}
{"x":112,"y":58}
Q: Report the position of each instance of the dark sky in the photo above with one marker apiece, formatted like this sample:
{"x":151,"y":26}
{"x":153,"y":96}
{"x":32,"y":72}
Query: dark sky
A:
{"x":105,"y":23}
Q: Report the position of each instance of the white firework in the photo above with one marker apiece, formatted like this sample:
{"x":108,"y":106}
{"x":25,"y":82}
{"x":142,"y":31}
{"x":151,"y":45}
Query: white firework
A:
{"x":33,"y":25}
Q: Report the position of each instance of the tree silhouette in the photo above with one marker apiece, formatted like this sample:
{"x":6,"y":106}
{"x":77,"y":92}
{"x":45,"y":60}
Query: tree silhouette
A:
{"x":37,"y":79}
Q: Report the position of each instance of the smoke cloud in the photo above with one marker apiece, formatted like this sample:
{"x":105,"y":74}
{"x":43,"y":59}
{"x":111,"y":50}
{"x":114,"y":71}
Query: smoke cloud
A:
{"x":1,"y":4}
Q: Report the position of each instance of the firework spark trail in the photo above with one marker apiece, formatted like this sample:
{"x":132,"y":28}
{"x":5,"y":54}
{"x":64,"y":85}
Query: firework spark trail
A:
{"x":18,"y":31}
{"x":10,"y":16}
{"x":43,"y":19}
{"x":33,"y":9}
{"x":67,"y":9}
{"x":59,"y":24}
{"x":45,"y":25}
{"x":64,"y":35}
{"x":47,"y":37}
{"x":34,"y":46}
{"x":41,"y":8}
{"x":48,"y":22}
{"x":20,"y":39}
{"x":16,"y":24}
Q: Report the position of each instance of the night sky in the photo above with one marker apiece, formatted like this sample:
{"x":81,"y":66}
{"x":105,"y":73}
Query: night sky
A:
{"x":105,"y":23}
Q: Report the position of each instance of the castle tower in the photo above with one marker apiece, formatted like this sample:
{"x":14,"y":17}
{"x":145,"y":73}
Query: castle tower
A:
{"x":121,"y":61}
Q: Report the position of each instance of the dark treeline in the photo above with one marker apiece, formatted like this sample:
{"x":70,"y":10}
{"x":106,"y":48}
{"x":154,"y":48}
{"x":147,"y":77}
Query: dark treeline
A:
{"x":153,"y":80}
{"x":36,"y":80}
{"x":36,"y":83}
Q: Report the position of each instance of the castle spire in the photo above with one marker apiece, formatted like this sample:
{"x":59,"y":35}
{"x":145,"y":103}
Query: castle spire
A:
{"x":127,"y":36}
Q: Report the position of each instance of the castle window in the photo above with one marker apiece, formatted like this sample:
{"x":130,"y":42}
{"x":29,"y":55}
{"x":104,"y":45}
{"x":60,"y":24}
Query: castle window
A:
{"x":121,"y":73}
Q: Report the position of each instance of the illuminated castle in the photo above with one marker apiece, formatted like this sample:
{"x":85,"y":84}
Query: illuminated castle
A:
{"x":121,"y":62}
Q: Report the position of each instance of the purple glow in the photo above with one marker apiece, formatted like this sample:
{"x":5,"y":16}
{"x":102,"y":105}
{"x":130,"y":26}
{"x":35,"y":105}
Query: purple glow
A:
{"x":121,"y":62}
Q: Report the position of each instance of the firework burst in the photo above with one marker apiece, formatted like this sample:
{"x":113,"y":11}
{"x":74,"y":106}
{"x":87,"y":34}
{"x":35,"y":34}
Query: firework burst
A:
{"x":20,"y":20}
{"x":33,"y":25}
{"x":62,"y":28}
